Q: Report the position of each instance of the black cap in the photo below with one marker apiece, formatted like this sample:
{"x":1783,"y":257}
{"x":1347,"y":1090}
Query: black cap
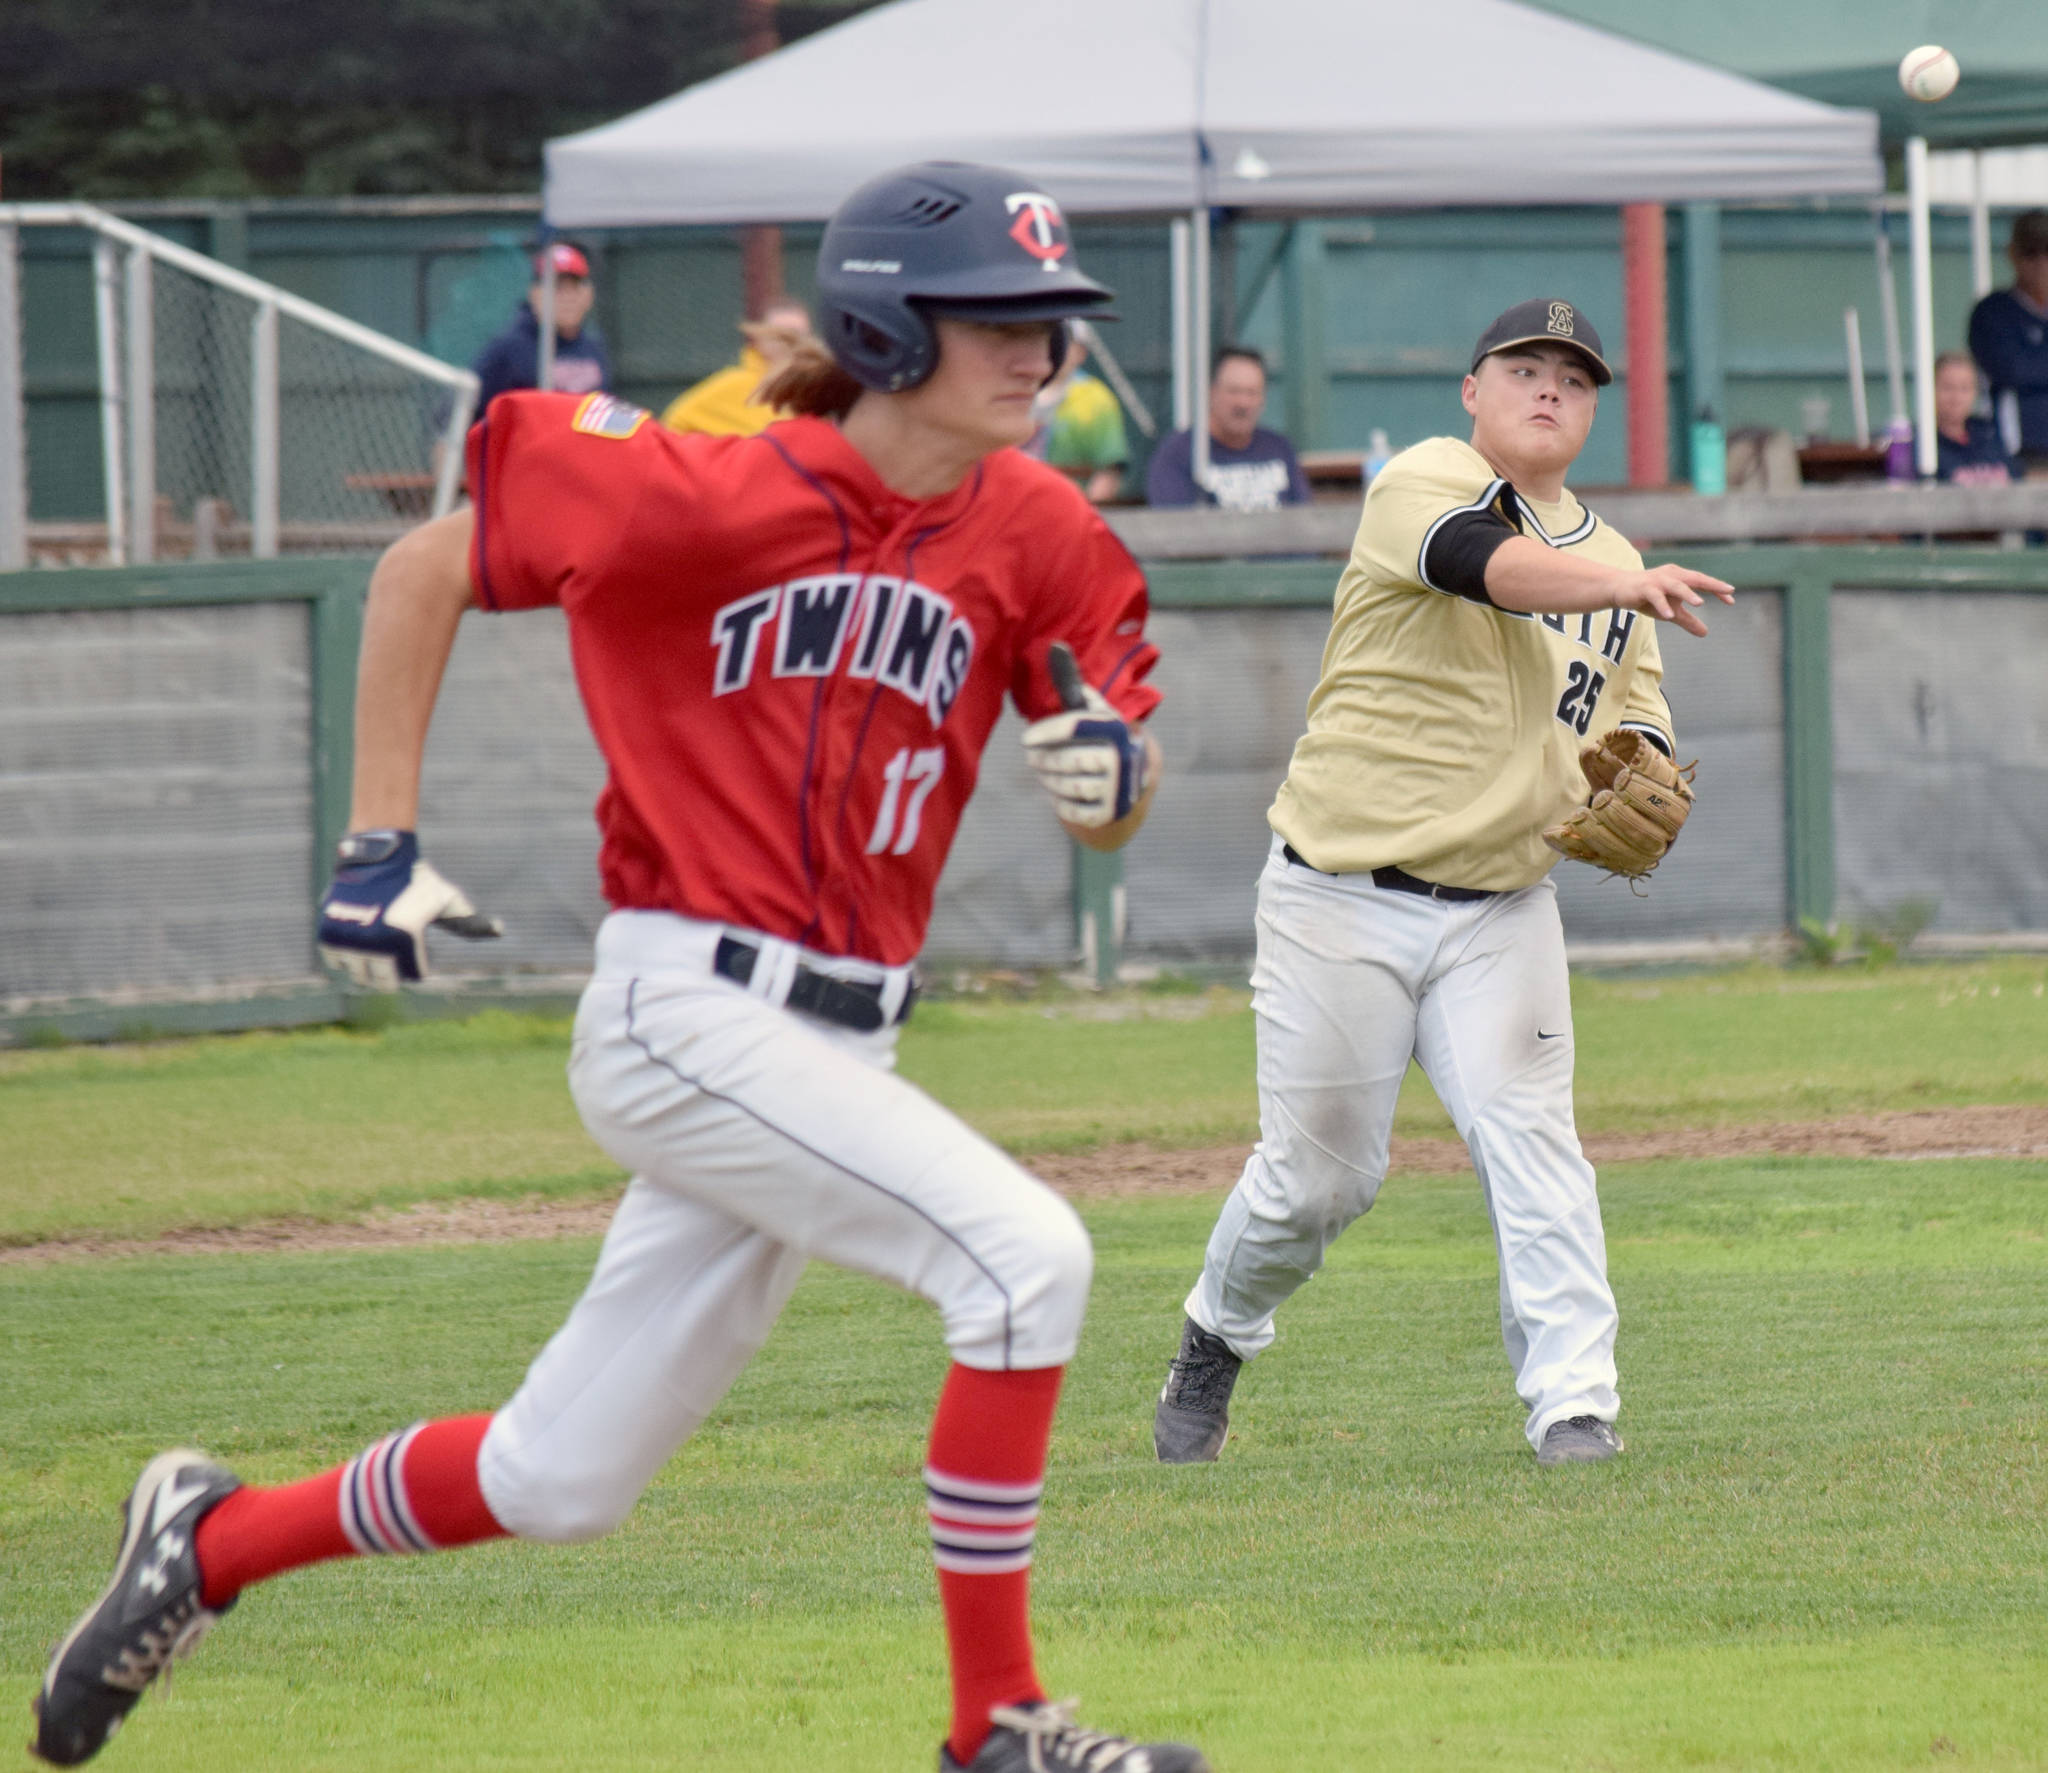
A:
{"x":1543,"y":321}
{"x":2030,"y":231}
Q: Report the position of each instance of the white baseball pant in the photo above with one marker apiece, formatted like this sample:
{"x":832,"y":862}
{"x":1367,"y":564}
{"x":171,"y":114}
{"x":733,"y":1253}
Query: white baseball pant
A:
{"x":757,"y":1139}
{"x":1350,"y":981}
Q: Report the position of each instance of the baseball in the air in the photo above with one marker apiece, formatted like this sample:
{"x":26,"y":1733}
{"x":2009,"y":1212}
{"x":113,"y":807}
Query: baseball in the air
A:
{"x":1929,"y":73}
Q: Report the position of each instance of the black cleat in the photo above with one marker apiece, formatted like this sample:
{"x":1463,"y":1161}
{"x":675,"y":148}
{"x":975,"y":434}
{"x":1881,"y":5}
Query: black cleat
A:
{"x":148,"y":1615}
{"x":1578,"y":1440}
{"x":1194,"y":1408}
{"x":1043,"y":1738}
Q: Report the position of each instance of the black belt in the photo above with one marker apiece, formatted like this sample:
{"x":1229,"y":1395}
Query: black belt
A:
{"x":850,"y":1003}
{"x":1399,"y":880}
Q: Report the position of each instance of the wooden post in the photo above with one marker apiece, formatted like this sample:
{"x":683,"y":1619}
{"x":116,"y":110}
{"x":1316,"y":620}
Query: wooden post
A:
{"x":1644,"y":311}
{"x":760,"y":248}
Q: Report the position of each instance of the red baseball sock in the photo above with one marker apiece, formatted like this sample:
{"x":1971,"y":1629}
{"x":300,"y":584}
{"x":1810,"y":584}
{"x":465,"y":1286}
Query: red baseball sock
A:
{"x":983,"y":1477}
{"x":413,"y":1491}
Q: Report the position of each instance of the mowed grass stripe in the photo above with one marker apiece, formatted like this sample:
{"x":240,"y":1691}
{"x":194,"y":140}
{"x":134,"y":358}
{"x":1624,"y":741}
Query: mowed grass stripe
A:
{"x":1825,"y":1548}
{"x":329,"y":1123}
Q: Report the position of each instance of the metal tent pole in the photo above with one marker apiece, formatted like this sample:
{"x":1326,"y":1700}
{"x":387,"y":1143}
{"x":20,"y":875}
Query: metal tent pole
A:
{"x":1925,"y":440}
{"x":140,"y":339}
{"x":1198,"y":348}
{"x":1177,"y":247}
{"x":1706,"y":386}
{"x":1888,"y":316}
{"x":106,"y":278}
{"x":13,"y":427}
{"x":1859,"y":395}
{"x":1980,"y":227}
{"x":544,"y":363}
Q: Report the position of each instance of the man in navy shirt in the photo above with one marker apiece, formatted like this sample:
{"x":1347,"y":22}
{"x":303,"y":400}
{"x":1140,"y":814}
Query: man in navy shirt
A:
{"x":2009,"y":339}
{"x":512,"y":359}
{"x":1250,"y":468}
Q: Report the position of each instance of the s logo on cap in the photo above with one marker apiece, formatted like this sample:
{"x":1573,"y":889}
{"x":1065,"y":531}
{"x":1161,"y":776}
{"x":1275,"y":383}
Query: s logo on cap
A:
{"x":1561,"y":319}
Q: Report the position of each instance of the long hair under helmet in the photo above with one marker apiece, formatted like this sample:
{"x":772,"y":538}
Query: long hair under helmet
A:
{"x":942,"y":238}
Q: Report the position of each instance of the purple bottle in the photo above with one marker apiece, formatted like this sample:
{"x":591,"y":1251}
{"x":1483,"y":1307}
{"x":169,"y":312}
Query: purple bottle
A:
{"x":1898,"y":452}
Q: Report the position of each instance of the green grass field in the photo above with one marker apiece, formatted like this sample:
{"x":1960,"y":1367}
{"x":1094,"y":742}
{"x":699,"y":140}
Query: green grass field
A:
{"x":1826,"y":1548}
{"x":329,"y":1122}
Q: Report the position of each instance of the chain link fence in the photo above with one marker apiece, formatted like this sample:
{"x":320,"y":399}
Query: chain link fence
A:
{"x":235,"y":418}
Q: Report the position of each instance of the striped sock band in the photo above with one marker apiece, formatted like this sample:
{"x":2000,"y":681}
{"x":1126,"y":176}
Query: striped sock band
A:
{"x":375,"y":1514}
{"x":980,"y":1529}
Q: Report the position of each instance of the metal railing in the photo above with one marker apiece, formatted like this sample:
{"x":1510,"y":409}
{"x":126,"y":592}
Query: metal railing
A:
{"x":1830,"y":513}
{"x":125,"y":262}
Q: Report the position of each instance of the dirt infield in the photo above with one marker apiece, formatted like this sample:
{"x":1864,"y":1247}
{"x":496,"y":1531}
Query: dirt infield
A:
{"x":1939,"y":1132}
{"x":1111,"y":1172}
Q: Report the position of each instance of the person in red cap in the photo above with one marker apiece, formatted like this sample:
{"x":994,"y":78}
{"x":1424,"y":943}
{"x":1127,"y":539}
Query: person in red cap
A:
{"x":512,"y":359}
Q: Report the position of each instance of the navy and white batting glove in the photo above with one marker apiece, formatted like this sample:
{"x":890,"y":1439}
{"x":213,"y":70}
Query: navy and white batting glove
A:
{"x":376,"y":912}
{"x":1091,"y":761}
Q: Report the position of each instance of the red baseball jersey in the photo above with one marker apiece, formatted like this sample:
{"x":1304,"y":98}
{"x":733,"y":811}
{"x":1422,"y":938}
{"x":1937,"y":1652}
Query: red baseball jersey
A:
{"x":790,"y":669}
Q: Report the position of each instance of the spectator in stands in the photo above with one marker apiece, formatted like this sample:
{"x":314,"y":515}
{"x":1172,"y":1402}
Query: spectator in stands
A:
{"x":1082,"y":433}
{"x":1971,"y":451}
{"x":2009,"y":339}
{"x":723,"y":403}
{"x":1250,"y":468}
{"x":512,"y":359}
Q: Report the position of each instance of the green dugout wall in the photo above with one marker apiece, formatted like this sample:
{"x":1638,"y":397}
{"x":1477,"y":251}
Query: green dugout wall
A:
{"x":1368,"y":321}
{"x":174,"y":768}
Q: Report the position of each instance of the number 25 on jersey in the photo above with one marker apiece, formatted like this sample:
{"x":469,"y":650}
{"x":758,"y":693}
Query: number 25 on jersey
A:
{"x":1582,"y":689}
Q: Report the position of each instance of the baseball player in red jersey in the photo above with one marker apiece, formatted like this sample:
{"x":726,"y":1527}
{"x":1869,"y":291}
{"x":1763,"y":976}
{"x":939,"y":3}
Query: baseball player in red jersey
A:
{"x":792,"y":649}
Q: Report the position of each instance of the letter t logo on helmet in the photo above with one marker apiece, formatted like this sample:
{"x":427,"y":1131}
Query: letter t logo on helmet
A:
{"x":942,"y":239}
{"x":1039,"y":228}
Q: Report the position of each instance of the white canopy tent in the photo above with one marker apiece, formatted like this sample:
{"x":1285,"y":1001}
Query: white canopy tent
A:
{"x":1148,"y":107}
{"x":1164,"y":106}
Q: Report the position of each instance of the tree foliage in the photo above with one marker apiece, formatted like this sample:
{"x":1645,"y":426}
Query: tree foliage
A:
{"x":233,"y":98}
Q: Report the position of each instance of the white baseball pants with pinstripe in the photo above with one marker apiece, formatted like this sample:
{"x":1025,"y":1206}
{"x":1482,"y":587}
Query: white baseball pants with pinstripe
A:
{"x":757,"y":1139}
{"x":1351,"y":981}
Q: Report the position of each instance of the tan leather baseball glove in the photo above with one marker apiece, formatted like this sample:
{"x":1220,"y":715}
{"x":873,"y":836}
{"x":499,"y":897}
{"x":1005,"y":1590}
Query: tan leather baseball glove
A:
{"x":1639,"y":806}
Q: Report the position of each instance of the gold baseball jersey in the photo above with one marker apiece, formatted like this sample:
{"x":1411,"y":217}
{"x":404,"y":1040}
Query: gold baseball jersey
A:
{"x":1444,"y":733}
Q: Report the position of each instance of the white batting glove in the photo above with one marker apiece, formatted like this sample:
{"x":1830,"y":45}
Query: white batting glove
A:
{"x":376,"y":912}
{"x":1090,"y":759}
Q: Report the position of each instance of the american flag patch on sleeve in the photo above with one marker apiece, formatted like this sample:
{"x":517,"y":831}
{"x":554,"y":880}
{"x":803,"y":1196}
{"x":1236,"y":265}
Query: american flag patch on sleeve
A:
{"x":602,"y":416}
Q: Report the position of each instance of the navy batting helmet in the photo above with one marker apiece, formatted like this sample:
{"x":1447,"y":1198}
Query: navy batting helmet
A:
{"x":972,"y":242}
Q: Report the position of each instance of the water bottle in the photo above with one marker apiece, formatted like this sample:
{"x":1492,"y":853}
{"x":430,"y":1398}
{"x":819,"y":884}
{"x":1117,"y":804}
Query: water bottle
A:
{"x":1898,"y":451}
{"x":1709,"y":455}
{"x":1378,"y":452}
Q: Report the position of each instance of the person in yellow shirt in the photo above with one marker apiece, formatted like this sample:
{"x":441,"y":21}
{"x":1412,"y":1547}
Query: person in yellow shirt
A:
{"x":1081,"y":426}
{"x":723,"y":403}
{"x":1486,"y":627}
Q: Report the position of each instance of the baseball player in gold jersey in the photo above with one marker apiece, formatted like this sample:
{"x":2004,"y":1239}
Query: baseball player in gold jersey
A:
{"x":1486,"y":627}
